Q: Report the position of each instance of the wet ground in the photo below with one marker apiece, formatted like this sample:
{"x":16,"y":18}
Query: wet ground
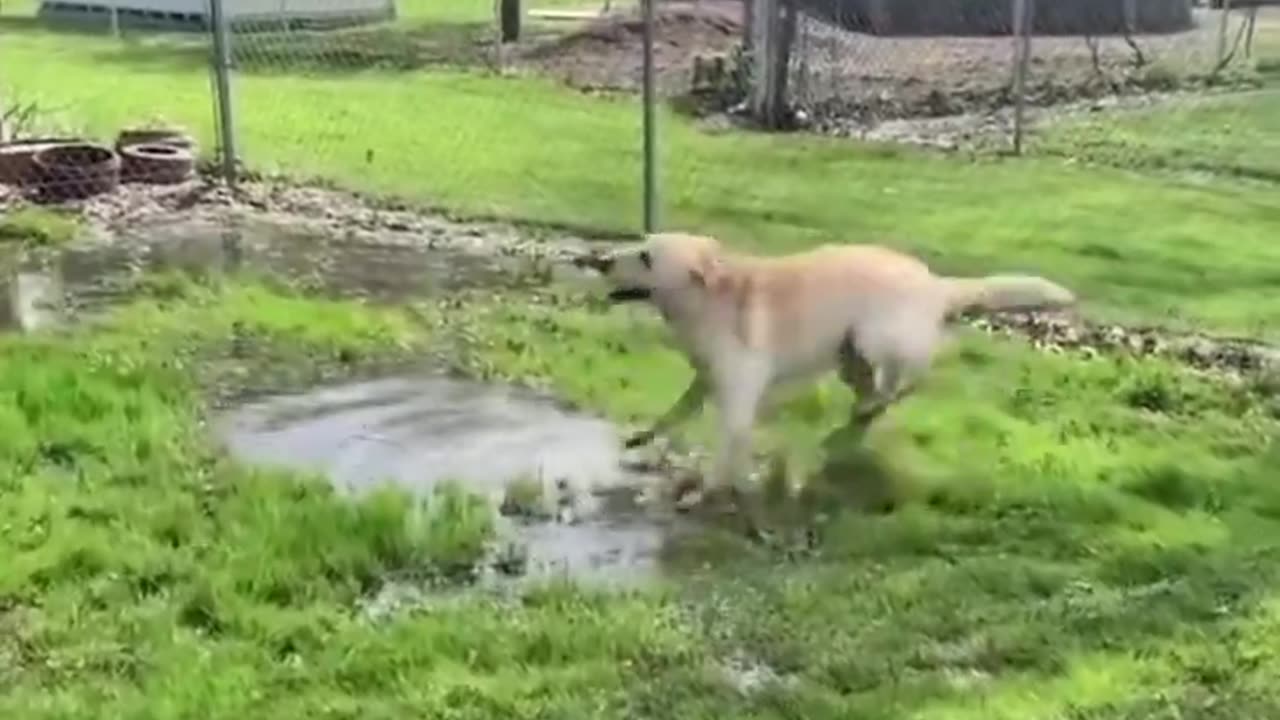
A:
{"x":418,"y":432}
{"x":591,"y":520}
{"x":44,"y":287}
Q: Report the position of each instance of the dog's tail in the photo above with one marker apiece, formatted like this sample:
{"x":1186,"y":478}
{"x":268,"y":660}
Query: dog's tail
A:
{"x":1005,"y":293}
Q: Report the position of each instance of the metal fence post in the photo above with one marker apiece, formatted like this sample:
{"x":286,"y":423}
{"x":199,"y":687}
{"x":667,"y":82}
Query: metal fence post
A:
{"x":1021,"y":58}
{"x":221,"y":62}
{"x":650,"y":132}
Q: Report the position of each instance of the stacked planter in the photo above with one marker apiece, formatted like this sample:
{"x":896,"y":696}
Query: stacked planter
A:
{"x":61,"y":169}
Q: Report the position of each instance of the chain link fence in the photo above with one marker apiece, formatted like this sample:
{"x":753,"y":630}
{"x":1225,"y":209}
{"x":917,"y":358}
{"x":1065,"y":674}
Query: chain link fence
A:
{"x":945,"y":73}
{"x":425,"y":103}
{"x":1204,"y":100}
{"x":419,"y":98}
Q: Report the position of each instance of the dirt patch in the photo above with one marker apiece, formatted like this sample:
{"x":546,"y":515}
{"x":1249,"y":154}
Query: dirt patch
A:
{"x":607,"y":53}
{"x":990,"y":129}
{"x":849,"y":83}
{"x":1234,"y":357}
{"x":868,"y":78}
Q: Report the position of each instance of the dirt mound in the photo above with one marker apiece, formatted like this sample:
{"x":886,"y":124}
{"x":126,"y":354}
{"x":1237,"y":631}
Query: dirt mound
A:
{"x":674,"y":23}
{"x":606,"y":54}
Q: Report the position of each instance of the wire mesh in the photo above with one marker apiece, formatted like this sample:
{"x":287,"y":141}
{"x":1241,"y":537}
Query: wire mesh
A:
{"x":417,"y":98}
{"x":1193,"y":99}
{"x":941,"y":72}
{"x":98,"y":97}
{"x":860,"y":63}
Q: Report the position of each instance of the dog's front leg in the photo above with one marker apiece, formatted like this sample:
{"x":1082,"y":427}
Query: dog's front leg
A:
{"x":689,"y":402}
{"x":739,"y":396}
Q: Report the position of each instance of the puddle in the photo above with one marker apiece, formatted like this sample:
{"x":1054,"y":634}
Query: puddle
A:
{"x":420,"y":431}
{"x":30,"y":297}
{"x":46,"y":287}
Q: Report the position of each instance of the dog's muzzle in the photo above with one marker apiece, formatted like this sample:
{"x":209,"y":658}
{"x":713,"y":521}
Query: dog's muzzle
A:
{"x":630,"y":294}
{"x":603,"y":264}
{"x":600,"y":263}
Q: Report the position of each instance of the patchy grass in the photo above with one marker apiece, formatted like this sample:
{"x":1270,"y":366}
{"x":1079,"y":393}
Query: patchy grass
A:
{"x":1040,"y":536}
{"x":1137,"y":248}
{"x":137,"y":558}
{"x":1043,"y":555}
{"x":38,"y":227}
{"x":1042,"y":550}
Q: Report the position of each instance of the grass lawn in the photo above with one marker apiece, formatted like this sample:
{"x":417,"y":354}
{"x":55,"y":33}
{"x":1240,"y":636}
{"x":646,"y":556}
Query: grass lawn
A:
{"x":1032,"y":536}
{"x":1236,"y":134}
{"x":1136,"y":247}
{"x":1046,"y":556}
{"x":1232,"y":135}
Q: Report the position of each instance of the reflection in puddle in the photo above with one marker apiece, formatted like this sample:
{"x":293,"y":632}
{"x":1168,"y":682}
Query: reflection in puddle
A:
{"x":419,"y":432}
{"x":30,"y":298}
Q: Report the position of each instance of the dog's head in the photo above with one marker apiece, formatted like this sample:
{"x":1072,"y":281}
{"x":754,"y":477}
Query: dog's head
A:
{"x":665,"y":264}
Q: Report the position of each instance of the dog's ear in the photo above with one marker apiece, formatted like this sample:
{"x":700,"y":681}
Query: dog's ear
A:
{"x":707,"y":271}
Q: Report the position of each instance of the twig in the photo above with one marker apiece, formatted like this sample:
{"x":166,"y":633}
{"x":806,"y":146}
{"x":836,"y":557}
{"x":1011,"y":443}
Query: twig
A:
{"x":1139,"y":59}
{"x":1235,"y":46}
{"x":1095,"y":57}
{"x":1131,"y":20}
{"x":17,"y":119}
{"x":1253,"y":24}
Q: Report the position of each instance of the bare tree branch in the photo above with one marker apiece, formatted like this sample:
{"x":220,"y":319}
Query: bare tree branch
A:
{"x":17,"y":119}
{"x":1095,"y":57}
{"x":1139,"y":59}
{"x":1130,"y":22}
{"x":1235,"y":46}
{"x":1253,"y":25}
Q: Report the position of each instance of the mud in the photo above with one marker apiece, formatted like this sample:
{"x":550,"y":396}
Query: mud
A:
{"x":418,"y":432}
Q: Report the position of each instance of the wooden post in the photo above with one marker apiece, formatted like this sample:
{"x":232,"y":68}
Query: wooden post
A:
{"x":510,"y":19}
{"x":1021,"y":58}
{"x":771,"y":55}
{"x":763,"y":26}
{"x":782,"y":63}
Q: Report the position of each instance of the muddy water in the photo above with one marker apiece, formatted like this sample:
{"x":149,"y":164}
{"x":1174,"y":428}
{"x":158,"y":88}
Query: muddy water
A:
{"x":420,"y":431}
{"x":416,"y":432}
{"x":44,"y":287}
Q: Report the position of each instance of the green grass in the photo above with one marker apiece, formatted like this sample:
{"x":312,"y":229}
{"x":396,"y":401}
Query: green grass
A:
{"x":38,"y":227}
{"x":1046,"y":556}
{"x":1233,"y":135}
{"x":1041,"y":537}
{"x":1136,"y":247}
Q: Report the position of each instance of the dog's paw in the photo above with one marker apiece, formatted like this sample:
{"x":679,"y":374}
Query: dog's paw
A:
{"x":639,"y":439}
{"x":690,"y":499}
{"x":687,"y":494}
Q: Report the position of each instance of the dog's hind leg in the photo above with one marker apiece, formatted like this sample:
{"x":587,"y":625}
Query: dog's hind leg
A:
{"x":884,"y":373}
